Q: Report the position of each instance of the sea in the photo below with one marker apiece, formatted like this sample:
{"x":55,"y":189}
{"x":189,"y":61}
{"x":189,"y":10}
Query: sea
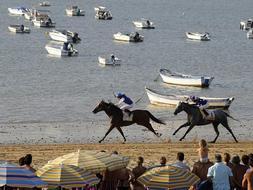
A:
{"x":45,"y":99}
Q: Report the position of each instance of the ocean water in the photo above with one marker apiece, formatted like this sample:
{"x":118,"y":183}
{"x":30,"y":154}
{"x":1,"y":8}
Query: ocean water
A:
{"x":45,"y":92}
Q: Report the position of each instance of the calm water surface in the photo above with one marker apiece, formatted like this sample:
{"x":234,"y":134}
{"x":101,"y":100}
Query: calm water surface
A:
{"x":36,"y":88}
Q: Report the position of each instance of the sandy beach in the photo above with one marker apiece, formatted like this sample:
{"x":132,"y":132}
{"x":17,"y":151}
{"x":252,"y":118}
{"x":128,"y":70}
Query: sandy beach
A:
{"x":150,"y":151}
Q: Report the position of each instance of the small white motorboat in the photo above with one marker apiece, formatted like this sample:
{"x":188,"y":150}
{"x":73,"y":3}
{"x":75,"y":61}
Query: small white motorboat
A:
{"x":43,"y":21}
{"x":34,"y":13}
{"x":144,"y":24}
{"x":112,"y":60}
{"x":198,"y":36}
{"x":246,"y":24}
{"x":185,"y":80}
{"x":74,"y":11}
{"x":128,"y":37}
{"x":250,"y":34}
{"x":61,"y":49}
{"x":45,"y":4}
{"x":18,"y":11}
{"x":19,"y":29}
{"x":157,"y":98}
{"x":102,"y":13}
{"x":64,"y":36}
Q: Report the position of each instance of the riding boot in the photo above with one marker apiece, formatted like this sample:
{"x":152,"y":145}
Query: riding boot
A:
{"x":128,"y":112}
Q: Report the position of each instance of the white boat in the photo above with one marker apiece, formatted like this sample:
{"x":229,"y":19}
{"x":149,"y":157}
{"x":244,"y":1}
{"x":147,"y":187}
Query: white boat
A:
{"x":34,"y":13}
{"x":45,"y":4}
{"x":109,"y":61}
{"x":43,"y":21}
{"x":250,"y":34}
{"x":19,"y":29}
{"x":18,"y":11}
{"x":74,"y":11}
{"x":172,"y":100}
{"x":102,"y":13}
{"x":246,"y":24}
{"x":144,"y":24}
{"x":128,"y":37}
{"x":185,"y":80}
{"x":61,"y":49}
{"x":64,"y":36}
{"x":198,"y":36}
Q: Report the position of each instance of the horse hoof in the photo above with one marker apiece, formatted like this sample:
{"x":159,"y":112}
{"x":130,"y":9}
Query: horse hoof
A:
{"x":174,"y":134}
{"x":123,"y":142}
{"x":212,"y":142}
{"x":158,"y":134}
{"x":99,"y":141}
{"x":180,"y":139}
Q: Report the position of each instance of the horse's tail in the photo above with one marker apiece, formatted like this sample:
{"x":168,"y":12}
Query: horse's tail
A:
{"x":232,"y":117}
{"x":155,"y":119}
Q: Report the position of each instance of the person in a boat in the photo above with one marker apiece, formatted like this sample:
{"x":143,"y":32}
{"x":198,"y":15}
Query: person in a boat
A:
{"x":22,"y":27}
{"x":70,"y":47}
{"x":136,"y":36}
{"x":125,"y":103}
{"x":113,"y":58}
{"x":148,"y":22}
{"x":201,"y":104}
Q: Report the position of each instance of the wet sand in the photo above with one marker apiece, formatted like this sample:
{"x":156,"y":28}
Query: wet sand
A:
{"x":150,"y":151}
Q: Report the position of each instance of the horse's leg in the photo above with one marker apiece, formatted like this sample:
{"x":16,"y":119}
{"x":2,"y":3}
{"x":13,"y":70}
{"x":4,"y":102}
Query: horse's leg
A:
{"x":225,"y":124}
{"x":109,"y":130}
{"x":188,"y":130}
{"x":184,"y":125}
{"x":215,"y":127}
{"x":149,"y":127}
{"x":121,"y":132}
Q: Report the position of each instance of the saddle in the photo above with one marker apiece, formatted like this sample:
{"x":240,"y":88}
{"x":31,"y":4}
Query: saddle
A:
{"x":127,"y":115}
{"x":208,"y":115}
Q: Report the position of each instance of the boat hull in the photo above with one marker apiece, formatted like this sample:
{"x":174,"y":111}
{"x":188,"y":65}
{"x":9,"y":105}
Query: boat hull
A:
{"x":172,"y":100}
{"x":197,"y":36}
{"x":126,"y":38}
{"x":71,"y":12}
{"x":143,"y":25}
{"x":57,"y":51}
{"x":105,"y":61}
{"x":42,"y":23}
{"x":16,"y":29}
{"x":188,"y":80}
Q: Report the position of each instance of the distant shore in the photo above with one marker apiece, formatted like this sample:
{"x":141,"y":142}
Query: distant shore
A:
{"x":150,"y":151}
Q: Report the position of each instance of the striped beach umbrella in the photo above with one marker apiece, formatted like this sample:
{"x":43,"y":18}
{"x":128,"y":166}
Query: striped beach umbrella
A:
{"x":168,"y":177}
{"x":16,"y":176}
{"x":93,"y":161}
{"x":66,"y":176}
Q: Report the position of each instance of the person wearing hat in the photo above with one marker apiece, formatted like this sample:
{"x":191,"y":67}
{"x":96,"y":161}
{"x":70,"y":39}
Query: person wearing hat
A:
{"x":220,"y":174}
{"x":125,"y":103}
{"x":201,"y":104}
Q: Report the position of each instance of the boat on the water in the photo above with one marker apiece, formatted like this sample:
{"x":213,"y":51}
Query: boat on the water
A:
{"x":161,"y":99}
{"x":183,"y":79}
{"x":61,"y":49}
{"x":64,"y":36}
{"x":112,"y":60}
{"x":144,"y":24}
{"x":34,"y":13}
{"x":45,"y":4}
{"x":74,"y":11}
{"x":102,"y":13}
{"x":43,"y":21}
{"x":198,"y":36}
{"x":250,"y":34}
{"x":128,"y":37}
{"x":19,"y":29}
{"x":19,"y":11}
{"x":246,"y":24}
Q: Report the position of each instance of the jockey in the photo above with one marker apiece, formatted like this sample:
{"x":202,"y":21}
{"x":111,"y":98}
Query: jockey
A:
{"x":125,"y":103}
{"x":201,"y":104}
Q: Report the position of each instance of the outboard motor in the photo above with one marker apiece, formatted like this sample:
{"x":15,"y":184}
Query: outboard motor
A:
{"x":75,"y":37}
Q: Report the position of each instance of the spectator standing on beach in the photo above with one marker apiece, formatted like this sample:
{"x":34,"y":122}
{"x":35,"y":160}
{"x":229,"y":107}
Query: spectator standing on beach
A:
{"x":247,"y":181}
{"x":238,"y":171}
{"x":227,"y":159}
{"x":245,"y":160}
{"x":28,"y":162}
{"x":163,"y":161}
{"x":21,"y":161}
{"x":203,"y":151}
{"x":220,"y":174}
{"x":180,"y":162}
{"x":137,"y":172}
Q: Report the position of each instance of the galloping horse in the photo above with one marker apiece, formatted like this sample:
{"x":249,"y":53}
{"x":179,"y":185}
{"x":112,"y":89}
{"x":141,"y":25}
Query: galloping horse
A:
{"x":140,"y":117}
{"x":195,"y":118}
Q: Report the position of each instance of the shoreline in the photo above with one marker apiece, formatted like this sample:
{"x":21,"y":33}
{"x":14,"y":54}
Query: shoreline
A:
{"x":150,"y":151}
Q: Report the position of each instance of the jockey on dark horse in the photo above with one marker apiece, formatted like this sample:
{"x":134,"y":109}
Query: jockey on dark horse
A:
{"x":202,"y":105}
{"x":125,"y":103}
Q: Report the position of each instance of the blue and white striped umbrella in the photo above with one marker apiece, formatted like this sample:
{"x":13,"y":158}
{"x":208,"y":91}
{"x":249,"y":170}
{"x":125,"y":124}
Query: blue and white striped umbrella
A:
{"x":15,"y":176}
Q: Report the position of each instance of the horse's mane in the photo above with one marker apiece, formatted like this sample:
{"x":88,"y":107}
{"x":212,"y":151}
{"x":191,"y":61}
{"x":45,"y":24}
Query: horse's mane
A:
{"x":114,"y":106}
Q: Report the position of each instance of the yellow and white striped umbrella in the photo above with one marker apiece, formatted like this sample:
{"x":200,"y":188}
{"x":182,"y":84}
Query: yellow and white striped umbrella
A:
{"x":168,"y":177}
{"x":93,"y":161}
{"x":66,"y":176}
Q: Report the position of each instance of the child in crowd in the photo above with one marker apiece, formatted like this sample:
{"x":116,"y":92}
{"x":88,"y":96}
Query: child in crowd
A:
{"x":203,"y":151}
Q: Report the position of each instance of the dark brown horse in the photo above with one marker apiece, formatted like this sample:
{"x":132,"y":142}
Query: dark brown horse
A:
{"x":140,"y":117}
{"x":195,"y":118}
